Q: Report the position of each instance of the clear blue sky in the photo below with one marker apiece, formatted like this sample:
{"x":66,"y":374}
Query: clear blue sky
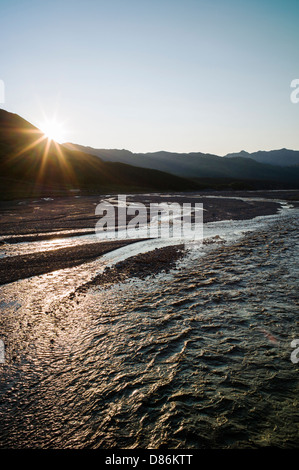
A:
{"x":147,"y":75}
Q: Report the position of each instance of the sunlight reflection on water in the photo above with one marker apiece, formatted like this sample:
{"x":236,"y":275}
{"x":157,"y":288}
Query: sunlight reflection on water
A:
{"x":185,"y":360}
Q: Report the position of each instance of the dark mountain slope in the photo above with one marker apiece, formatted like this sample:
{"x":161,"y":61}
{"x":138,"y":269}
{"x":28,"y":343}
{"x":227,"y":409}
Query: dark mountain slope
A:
{"x":200,"y":165}
{"x":32,"y":165}
{"x":282,"y":157}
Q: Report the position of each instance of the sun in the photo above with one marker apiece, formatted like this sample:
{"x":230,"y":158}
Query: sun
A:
{"x":53,"y":130}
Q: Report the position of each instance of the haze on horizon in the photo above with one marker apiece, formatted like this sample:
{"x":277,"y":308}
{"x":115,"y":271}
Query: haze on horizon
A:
{"x":180,"y":76}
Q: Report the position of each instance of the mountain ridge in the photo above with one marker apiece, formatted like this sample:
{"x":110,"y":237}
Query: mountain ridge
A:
{"x":28,"y":160}
{"x":291,"y":156}
{"x":280,"y":157}
{"x":31,"y":166}
{"x":200,"y":165}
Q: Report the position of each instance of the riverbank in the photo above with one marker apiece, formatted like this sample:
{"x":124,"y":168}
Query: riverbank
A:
{"x":131,"y":365}
{"x":26,"y":221}
{"x":142,"y":265}
{"x":39,"y":218}
{"x":14,"y":268}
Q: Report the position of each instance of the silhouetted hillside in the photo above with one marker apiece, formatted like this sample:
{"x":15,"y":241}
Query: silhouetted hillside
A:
{"x":31,"y":165}
{"x":201,"y":166}
{"x":282,"y":157}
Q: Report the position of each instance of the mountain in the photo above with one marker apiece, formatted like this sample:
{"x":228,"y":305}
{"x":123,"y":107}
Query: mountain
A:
{"x":31,"y":165}
{"x":175,"y":163}
{"x":200,"y":165}
{"x":282,"y":157}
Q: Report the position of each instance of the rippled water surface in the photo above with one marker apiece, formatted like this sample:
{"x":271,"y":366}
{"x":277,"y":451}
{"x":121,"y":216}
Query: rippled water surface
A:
{"x":197,"y":358}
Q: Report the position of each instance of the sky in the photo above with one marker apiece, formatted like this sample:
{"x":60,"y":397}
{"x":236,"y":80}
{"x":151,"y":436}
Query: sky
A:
{"x":149,"y":75}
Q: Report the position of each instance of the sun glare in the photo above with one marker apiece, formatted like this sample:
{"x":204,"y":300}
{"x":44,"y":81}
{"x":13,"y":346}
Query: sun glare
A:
{"x":53,"y":130}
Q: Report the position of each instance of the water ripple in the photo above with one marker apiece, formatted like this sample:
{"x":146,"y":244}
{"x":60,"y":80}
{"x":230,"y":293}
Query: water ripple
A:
{"x":198,"y":358}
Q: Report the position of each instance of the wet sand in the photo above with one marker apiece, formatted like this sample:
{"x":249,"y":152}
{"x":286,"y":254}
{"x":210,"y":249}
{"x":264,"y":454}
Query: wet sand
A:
{"x":32,"y":220}
{"x":38,"y":217}
{"x":141,"y":266}
{"x":14,"y":268}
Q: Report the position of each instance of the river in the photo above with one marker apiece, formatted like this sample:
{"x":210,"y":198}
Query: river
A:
{"x":196,"y":358}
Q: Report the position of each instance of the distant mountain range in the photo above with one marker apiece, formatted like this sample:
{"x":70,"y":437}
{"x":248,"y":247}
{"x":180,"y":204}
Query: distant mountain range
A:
{"x":273,"y":166}
{"x":282,"y":157}
{"x":32,"y":166}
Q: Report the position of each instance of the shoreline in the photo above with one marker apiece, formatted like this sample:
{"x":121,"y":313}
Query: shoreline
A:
{"x":14,"y":268}
{"x":39,"y":218}
{"x":139,"y":266}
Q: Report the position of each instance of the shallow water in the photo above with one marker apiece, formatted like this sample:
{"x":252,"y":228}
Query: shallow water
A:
{"x":16,"y":246}
{"x":197,"y":358}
